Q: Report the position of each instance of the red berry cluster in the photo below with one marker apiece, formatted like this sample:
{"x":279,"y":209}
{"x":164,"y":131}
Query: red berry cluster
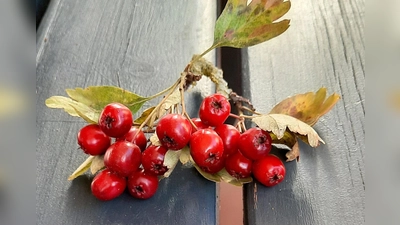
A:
{"x":214,"y":145}
{"x":127,"y":160}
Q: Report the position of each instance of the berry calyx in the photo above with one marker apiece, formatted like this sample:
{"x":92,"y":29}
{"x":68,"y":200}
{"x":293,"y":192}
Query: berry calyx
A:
{"x":153,"y":160}
{"x":107,"y":185}
{"x":214,"y":110}
{"x":115,"y":120}
{"x":173,"y":131}
{"x":269,"y":170}
{"x":141,"y":185}
{"x":255,"y":143}
{"x":92,"y":140}
{"x":207,"y":149}
{"x":123,"y":157}
{"x":139,"y":139}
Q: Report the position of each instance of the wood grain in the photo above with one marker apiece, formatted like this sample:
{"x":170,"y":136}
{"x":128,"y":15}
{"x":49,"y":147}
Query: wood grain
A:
{"x":141,"y":46}
{"x":324,"y":46}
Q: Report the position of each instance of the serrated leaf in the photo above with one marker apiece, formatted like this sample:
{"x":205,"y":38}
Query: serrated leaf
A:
{"x":97,"y":97}
{"x":242,"y":25}
{"x":144,"y":115}
{"x":307,"y":107}
{"x":278,"y":123}
{"x":171,"y":158}
{"x":97,"y":164}
{"x":82,"y":168}
{"x":73,"y":108}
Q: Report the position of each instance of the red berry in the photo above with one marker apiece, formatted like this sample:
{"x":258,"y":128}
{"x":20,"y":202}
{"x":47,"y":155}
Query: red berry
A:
{"x":107,"y":185}
{"x":207,"y":149}
{"x":255,"y":143}
{"x":140,"y":139}
{"x":214,"y":110}
{"x":123,"y":157}
{"x":269,"y":170}
{"x":173,"y":131}
{"x":153,"y":160}
{"x":199,"y":124}
{"x":93,"y":140}
{"x":238,"y":166}
{"x":141,"y":185}
{"x":230,"y":137}
{"x":115,"y":120}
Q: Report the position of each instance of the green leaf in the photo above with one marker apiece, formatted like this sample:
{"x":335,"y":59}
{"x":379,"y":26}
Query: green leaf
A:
{"x":82,"y":168}
{"x":242,"y":25}
{"x":97,"y":97}
{"x":73,"y":108}
{"x":144,"y":115}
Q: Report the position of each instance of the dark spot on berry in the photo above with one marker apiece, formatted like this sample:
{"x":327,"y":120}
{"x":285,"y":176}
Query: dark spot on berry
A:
{"x":216,"y":105}
{"x":158,"y":168}
{"x":139,"y":189}
{"x":212,"y":158}
{"x":108,"y":121}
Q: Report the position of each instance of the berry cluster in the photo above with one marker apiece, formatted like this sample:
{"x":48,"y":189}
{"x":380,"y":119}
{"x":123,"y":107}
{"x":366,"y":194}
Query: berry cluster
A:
{"x":131,"y":163}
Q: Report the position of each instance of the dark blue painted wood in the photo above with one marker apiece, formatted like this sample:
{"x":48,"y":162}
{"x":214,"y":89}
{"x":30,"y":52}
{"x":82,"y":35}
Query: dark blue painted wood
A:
{"x":141,"y":46}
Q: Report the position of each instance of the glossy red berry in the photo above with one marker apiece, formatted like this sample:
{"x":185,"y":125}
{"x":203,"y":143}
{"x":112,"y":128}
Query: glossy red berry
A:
{"x":92,"y":140}
{"x":173,"y":131}
{"x":107,"y":185}
{"x":141,"y":185}
{"x":199,"y":124}
{"x":153,"y":160}
{"x":214,"y":110}
{"x":207,"y":149}
{"x":139,"y":139}
{"x":230,"y":137}
{"x":269,"y":170}
{"x":238,"y":166}
{"x":123,"y":157}
{"x":115,"y":120}
{"x":255,"y":143}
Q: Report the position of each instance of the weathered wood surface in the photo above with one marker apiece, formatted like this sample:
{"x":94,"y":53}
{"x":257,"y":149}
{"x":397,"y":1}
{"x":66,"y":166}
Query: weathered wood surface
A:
{"x":141,"y":46}
{"x":323,"y":47}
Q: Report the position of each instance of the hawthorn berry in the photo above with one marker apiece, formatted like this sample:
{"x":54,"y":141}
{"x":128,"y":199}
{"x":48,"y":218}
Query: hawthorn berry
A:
{"x":230,"y":137}
{"x":107,"y":185}
{"x":173,"y":131}
{"x":269,"y":170}
{"x":238,"y":166}
{"x":214,"y":110}
{"x":141,"y":185}
{"x":123,"y":157}
{"x":115,"y":120}
{"x":153,"y":160}
{"x":207,"y":150}
{"x":92,"y":140}
{"x":199,"y":124}
{"x":255,"y":143}
{"x":140,"y":139}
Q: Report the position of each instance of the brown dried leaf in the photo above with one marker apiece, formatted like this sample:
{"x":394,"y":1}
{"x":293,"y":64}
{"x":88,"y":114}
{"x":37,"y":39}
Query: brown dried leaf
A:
{"x":294,"y":153}
{"x":278,"y":123}
{"x":144,"y":115}
{"x":307,"y":107}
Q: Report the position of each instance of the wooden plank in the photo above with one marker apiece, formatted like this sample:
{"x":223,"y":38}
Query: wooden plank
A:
{"x":141,"y":46}
{"x":324,"y":46}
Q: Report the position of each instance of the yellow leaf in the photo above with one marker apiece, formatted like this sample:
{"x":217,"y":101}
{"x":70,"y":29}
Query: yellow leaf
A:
{"x":278,"y":123}
{"x":307,"y":107}
{"x":97,"y":164}
{"x":82,"y":168}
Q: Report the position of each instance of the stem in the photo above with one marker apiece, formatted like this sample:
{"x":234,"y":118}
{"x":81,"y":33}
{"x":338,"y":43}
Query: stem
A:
{"x":205,"y":52}
{"x":172,"y":88}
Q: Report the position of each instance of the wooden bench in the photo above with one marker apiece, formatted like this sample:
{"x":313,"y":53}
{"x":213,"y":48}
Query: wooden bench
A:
{"x":142,"y":46}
